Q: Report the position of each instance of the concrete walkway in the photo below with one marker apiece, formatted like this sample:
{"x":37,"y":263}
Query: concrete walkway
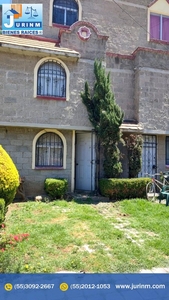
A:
{"x":156,"y":270}
{"x":153,"y":270}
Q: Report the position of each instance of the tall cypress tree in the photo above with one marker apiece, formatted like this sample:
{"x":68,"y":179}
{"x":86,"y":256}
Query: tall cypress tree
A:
{"x":134,"y":144}
{"x":106,"y":117}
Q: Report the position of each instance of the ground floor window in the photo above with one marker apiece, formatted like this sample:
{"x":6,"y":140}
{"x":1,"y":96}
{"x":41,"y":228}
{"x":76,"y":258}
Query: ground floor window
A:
{"x":167,"y":151}
{"x":49,"y":150}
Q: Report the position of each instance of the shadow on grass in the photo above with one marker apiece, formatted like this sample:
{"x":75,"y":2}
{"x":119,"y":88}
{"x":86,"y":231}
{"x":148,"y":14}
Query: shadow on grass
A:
{"x":78,"y":198}
{"x":91,"y":200}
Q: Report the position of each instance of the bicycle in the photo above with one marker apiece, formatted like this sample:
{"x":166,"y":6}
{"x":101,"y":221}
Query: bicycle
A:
{"x":154,"y":187}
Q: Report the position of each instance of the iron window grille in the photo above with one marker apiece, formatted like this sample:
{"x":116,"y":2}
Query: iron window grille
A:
{"x":149,"y":155}
{"x":51,"y":80}
{"x":167,"y":150}
{"x":49,"y":151}
{"x":65,"y":12}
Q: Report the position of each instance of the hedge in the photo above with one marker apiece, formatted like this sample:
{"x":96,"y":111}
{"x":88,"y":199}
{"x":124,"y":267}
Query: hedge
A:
{"x":123,"y":188}
{"x":56,"y":187}
{"x":2,"y":211}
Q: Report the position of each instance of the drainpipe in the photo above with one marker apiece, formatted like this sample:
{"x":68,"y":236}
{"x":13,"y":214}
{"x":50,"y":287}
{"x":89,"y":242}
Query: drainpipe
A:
{"x":73,"y":162}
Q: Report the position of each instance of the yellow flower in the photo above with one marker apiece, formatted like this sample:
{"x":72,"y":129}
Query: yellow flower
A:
{"x":26,"y":266}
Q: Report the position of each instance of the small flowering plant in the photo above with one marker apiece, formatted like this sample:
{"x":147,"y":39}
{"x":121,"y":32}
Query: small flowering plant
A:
{"x":11,"y":240}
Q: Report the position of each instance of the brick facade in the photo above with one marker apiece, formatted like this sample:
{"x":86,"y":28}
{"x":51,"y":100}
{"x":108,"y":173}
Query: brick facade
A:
{"x":17,"y":142}
{"x":138,"y":69}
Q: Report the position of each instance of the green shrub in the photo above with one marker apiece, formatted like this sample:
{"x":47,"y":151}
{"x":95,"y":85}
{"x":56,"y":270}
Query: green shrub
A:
{"x":123,"y":188}
{"x":56,"y":188}
{"x":9,"y":177}
{"x":2,"y":211}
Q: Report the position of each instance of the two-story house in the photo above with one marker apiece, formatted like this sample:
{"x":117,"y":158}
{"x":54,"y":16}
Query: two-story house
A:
{"x":44,"y":125}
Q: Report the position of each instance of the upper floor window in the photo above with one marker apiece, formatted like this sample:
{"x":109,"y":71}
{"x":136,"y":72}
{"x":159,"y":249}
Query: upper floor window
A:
{"x":65,"y":12}
{"x":51,"y":80}
{"x":158,"y":21}
{"x":159,"y":27}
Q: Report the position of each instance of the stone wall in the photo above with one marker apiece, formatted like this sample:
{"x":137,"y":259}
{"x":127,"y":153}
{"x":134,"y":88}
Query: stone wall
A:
{"x":122,"y":76}
{"x":151,"y":90}
{"x":140,"y":84}
{"x":139,"y":81}
{"x":125,"y":22}
{"x":17,"y":103}
{"x":92,"y":48}
{"x":18,"y":143}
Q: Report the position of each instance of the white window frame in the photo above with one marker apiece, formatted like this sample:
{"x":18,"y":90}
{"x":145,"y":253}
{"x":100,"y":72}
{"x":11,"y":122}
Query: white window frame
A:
{"x":34,"y":149}
{"x":53,"y":59}
{"x":51,"y":12}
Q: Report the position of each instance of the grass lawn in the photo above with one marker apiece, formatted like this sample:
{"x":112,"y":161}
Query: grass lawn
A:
{"x":103,"y":237}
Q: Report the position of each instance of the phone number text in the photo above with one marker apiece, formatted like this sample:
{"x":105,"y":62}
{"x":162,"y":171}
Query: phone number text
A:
{"x":90,"y":286}
{"x":34,"y":286}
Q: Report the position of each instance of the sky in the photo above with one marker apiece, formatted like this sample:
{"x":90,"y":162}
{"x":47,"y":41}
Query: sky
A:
{"x":5,"y":1}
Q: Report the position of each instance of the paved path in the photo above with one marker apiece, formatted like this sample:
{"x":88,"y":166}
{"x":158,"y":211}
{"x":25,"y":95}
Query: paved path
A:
{"x":153,"y":270}
{"x":156,"y":270}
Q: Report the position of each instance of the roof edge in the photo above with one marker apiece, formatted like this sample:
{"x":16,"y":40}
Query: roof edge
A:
{"x":153,"y":2}
{"x":134,"y":53}
{"x":38,"y":38}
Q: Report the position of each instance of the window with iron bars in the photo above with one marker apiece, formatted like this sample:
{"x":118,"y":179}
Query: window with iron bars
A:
{"x":65,"y":12}
{"x":49,"y":151}
{"x":167,"y":150}
{"x":51,"y":80}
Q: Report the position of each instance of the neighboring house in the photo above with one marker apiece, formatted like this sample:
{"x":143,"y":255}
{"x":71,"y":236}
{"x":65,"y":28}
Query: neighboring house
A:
{"x":44,"y":125}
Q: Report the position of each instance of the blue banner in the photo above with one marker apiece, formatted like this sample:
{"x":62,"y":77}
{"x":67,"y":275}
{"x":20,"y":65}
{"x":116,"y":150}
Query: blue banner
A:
{"x":21,"y":19}
{"x":84,"y":286}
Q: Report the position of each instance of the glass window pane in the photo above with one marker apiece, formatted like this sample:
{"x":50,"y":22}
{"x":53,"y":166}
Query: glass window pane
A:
{"x":71,"y":17}
{"x":58,"y":15}
{"x":165,"y":29}
{"x":66,"y":3}
{"x":154,"y":27}
{"x":51,"y":80}
{"x":49,"y":151}
{"x":65,"y":12}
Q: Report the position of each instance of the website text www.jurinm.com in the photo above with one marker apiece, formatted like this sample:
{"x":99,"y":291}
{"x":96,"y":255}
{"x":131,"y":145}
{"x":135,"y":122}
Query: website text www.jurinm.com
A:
{"x":140,"y":286}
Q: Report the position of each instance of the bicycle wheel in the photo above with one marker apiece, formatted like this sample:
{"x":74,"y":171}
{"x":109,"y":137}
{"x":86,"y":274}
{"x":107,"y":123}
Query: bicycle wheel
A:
{"x":150,"y":191}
